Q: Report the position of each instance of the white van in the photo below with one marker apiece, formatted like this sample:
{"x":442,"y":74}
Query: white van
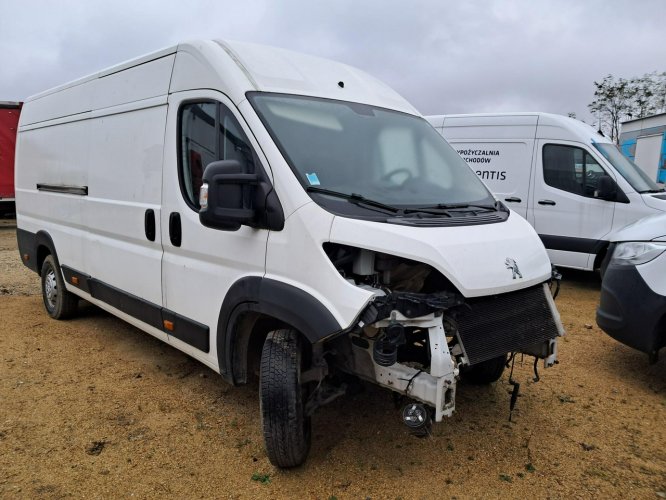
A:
{"x":274,"y":213}
{"x":572,"y":184}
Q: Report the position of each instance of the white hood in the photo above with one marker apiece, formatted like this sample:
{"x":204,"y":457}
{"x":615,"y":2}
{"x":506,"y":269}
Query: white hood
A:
{"x":473,"y":258}
{"x":656,"y":201}
{"x":645,"y":229}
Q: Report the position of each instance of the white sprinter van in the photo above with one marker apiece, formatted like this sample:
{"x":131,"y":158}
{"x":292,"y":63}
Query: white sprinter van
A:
{"x":277,"y":214}
{"x":572,"y":184}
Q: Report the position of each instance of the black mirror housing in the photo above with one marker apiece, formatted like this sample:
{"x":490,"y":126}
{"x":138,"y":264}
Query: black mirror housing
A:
{"x":606,"y":188}
{"x":227,"y":196}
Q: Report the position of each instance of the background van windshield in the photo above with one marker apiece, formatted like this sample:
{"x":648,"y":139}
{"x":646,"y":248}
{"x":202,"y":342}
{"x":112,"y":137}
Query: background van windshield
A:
{"x":384,"y":155}
{"x":627,"y":168}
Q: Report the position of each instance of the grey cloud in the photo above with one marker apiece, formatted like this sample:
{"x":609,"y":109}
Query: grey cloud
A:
{"x":443,"y":56}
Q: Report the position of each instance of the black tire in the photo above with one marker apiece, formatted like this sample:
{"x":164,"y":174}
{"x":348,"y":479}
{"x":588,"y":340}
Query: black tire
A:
{"x":286,"y":428}
{"x":486,"y":372}
{"x":59,"y":303}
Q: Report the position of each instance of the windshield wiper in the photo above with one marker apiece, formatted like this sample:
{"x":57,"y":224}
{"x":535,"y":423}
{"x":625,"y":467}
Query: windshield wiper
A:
{"x":444,"y":208}
{"x":661,"y":190}
{"x":356,"y":199}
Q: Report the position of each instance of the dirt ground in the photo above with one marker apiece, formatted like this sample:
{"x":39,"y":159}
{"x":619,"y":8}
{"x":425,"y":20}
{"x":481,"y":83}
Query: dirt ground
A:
{"x":93,"y":407}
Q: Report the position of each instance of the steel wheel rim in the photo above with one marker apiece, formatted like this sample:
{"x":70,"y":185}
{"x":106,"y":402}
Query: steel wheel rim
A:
{"x":51,"y":289}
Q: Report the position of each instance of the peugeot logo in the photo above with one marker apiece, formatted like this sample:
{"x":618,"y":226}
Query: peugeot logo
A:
{"x":511,"y":264}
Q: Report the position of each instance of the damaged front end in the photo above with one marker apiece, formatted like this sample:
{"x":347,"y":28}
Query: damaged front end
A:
{"x":418,"y":335}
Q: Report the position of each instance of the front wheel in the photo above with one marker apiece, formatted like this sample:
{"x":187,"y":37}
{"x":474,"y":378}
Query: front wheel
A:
{"x":285,"y":425}
{"x":59,"y":303}
{"x":486,"y":372}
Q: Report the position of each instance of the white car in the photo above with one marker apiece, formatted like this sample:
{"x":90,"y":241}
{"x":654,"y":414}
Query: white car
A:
{"x":633,"y":289}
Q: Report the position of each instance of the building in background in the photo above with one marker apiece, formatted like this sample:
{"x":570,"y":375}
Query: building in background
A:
{"x":644,"y":141}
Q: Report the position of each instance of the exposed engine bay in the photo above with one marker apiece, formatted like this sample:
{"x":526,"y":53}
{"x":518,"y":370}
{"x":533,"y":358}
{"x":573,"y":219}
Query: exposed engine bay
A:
{"x":419,"y":335}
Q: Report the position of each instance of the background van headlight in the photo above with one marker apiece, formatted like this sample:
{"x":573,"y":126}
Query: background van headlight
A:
{"x":634,"y":252}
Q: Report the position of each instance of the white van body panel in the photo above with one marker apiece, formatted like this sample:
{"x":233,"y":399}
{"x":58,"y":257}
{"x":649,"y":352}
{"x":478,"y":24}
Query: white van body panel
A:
{"x":505,"y":150}
{"x":451,"y":249}
{"x":208,"y":262}
{"x":284,"y":71}
{"x":504,"y":162}
{"x":241,"y":67}
{"x":305,"y":232}
{"x":655,"y":201}
{"x":652,"y":228}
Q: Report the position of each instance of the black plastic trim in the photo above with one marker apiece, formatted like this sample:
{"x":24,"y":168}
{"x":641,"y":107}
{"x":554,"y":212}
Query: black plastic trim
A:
{"x":571,"y":244}
{"x":630,"y":311}
{"x":149,"y":224}
{"x":83,"y":279}
{"x":175,"y":229}
{"x":189,"y":331}
{"x":27,"y":245}
{"x":57,"y":188}
{"x":132,"y":305}
{"x":279,"y":300}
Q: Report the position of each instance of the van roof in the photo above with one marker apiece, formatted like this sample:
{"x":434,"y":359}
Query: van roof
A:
{"x":550,"y":125}
{"x":239,"y":67}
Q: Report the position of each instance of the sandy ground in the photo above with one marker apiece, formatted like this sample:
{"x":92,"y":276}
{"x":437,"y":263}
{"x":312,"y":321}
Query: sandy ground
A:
{"x":93,"y":407}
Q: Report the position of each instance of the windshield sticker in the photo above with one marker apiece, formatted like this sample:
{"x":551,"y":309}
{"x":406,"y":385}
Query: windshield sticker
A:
{"x":313,"y":179}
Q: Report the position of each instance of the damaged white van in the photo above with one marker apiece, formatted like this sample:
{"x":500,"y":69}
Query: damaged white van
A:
{"x":274,"y":213}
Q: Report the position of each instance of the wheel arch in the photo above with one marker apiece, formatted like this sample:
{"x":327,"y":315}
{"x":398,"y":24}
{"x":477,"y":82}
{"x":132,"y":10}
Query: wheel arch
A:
{"x":599,"y":259}
{"x":255,"y":305}
{"x":34,"y":248}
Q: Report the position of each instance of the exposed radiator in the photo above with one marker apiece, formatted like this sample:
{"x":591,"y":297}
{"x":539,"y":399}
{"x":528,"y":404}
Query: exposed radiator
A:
{"x":499,"y":324}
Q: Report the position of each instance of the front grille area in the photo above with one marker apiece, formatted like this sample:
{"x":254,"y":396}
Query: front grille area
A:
{"x":504,"y":323}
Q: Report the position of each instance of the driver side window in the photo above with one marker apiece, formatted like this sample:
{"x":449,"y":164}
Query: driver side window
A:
{"x":571,"y":169}
{"x":208,"y":132}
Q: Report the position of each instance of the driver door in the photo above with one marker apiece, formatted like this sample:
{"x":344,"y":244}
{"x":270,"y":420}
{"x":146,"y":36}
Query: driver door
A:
{"x":570,"y":220}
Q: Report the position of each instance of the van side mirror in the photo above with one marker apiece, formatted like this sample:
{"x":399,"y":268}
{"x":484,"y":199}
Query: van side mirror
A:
{"x":606,"y":188}
{"x":226,"y":196}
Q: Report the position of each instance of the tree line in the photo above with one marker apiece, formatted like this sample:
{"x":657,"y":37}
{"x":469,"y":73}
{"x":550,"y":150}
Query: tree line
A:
{"x":620,"y":99}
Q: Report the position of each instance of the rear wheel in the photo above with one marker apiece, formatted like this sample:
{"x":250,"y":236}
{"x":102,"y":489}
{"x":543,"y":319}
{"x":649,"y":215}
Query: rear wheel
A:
{"x":285,"y":425}
{"x":59,"y":303}
{"x":485,"y":372}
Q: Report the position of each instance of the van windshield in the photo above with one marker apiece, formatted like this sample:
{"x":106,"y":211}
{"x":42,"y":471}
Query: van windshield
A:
{"x":628,"y":169}
{"x":385,"y":156}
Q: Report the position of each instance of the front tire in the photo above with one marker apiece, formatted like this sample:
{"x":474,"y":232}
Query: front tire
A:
{"x":59,"y":303}
{"x":486,"y":372}
{"x":286,"y":428}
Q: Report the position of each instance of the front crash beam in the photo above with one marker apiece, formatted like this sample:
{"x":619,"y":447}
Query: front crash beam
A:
{"x":435,"y":387}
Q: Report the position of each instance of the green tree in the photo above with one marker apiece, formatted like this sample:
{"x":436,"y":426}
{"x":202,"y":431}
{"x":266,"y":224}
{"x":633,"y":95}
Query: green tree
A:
{"x":617,"y":99}
{"x":642,"y":97}
{"x":612,"y":103}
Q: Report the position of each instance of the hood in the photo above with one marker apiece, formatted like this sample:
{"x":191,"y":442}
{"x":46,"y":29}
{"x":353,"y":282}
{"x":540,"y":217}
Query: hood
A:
{"x":648,"y":228}
{"x":656,"y":201}
{"x":476,"y":259}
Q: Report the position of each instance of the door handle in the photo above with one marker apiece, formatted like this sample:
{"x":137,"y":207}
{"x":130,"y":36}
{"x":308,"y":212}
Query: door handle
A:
{"x":547,"y":202}
{"x":175,"y":229}
{"x":149,"y":224}
{"x":513,"y":199}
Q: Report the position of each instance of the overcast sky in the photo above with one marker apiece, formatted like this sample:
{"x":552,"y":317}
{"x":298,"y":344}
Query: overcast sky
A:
{"x":444,"y":56}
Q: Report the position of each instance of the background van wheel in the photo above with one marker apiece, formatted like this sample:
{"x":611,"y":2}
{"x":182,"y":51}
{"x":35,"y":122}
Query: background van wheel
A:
{"x":485,"y":372}
{"x":59,"y":303}
{"x":285,"y":425}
